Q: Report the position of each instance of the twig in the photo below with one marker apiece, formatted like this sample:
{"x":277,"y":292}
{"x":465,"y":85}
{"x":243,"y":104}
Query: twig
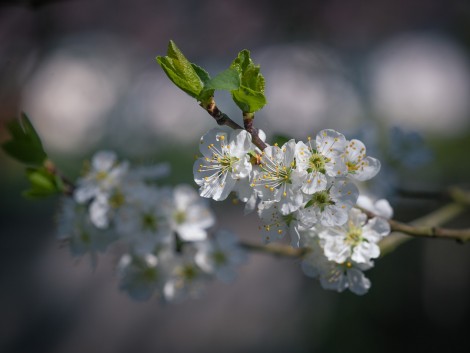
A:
{"x":248,"y":119}
{"x":223,"y":119}
{"x":69,"y":186}
{"x":426,"y":226}
{"x":432,"y":220}
{"x":276,"y":249}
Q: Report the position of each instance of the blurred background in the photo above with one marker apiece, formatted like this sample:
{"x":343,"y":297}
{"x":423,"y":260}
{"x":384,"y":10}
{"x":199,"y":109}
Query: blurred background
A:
{"x":393,"y":73}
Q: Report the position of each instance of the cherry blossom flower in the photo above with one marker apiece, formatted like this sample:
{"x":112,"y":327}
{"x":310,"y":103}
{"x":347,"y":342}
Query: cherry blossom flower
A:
{"x":225,"y":160}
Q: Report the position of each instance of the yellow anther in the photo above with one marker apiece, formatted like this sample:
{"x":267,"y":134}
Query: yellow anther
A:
{"x":280,"y":231}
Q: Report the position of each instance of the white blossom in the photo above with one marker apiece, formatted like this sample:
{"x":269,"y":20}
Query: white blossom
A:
{"x":379,"y":207}
{"x":224,"y":161}
{"x":330,"y":207}
{"x":360,"y":167}
{"x":321,"y":159}
{"x":105,"y":174}
{"x":357,"y":239}
{"x":275,"y":225}
{"x":278,"y":180}
{"x":141,"y":220}
{"x":83,"y":237}
{"x":188,"y":214}
{"x":334,"y":276}
{"x":186,"y":278}
{"x":221,"y":255}
{"x":141,"y":276}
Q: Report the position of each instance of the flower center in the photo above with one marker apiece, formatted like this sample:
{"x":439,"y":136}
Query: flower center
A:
{"x":117,"y":199}
{"x":149,"y":222}
{"x":352,"y":167}
{"x":219,"y":258}
{"x":101,"y":175}
{"x":354,"y":236}
{"x":317,"y":163}
{"x":320,"y":199}
{"x":188,"y":272}
{"x":179,"y":217}
{"x":226,"y":162}
{"x":150,"y":274}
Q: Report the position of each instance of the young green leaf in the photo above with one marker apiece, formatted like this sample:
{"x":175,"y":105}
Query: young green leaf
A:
{"x":280,"y":139}
{"x":250,"y":94}
{"x":248,"y":101}
{"x":25,"y":145}
{"x":43,"y":183}
{"x":188,"y":77}
{"x":228,"y":80}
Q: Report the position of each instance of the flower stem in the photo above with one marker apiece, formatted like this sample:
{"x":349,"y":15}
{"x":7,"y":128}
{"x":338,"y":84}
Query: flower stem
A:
{"x":223,"y":119}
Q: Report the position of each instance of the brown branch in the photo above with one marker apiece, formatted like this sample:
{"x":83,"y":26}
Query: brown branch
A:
{"x":248,"y":119}
{"x":461,"y":235}
{"x":220,"y":118}
{"x":276,"y":249}
{"x":223,"y":119}
{"x":426,"y":226}
{"x":454,"y":193}
{"x":432,"y":220}
{"x":69,"y":186}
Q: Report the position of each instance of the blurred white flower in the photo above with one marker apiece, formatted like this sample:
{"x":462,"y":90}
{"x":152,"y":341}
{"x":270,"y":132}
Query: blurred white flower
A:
{"x":221,"y":255}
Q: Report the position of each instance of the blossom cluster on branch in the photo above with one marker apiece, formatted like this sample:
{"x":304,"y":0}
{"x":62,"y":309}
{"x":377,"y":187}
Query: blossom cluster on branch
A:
{"x":306,"y":190}
{"x":165,"y":230}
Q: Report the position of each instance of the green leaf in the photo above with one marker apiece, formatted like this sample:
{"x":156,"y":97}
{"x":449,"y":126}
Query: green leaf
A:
{"x":188,"y":77}
{"x":43,"y":183}
{"x":250,"y":94}
{"x":25,"y":145}
{"x":248,"y":101}
{"x":280,"y":139}
{"x":203,"y":74}
{"x":310,"y":203}
{"x":228,"y":80}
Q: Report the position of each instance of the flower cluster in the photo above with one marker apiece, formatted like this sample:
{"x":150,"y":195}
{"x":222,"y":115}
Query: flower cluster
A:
{"x":165,"y":230}
{"x":304,"y":189}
